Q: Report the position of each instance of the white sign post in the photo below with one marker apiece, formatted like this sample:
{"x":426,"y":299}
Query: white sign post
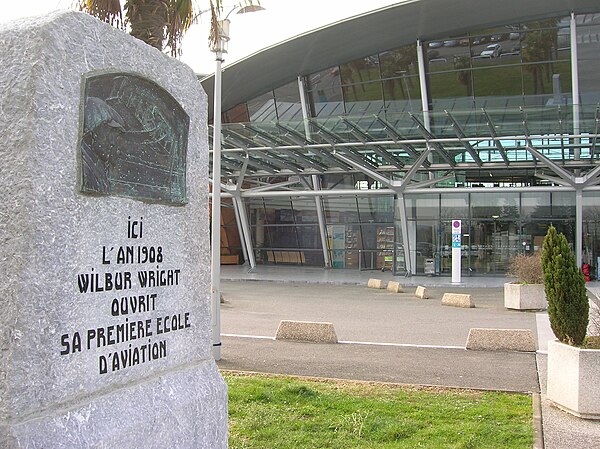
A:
{"x":456,"y":250}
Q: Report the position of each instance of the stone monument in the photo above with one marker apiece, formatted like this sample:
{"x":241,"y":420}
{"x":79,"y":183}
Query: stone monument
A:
{"x":104,"y":255}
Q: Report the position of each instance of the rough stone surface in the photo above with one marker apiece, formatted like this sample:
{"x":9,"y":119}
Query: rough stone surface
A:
{"x":594,"y":315}
{"x":501,"y":340}
{"x":421,"y":293}
{"x":525,"y":296}
{"x":306,"y":331}
{"x":375,"y":283}
{"x":394,"y":287}
{"x":457,"y":300}
{"x":51,"y":234}
{"x":573,"y":379}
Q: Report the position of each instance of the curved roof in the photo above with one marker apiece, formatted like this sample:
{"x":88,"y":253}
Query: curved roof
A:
{"x":379,"y":30}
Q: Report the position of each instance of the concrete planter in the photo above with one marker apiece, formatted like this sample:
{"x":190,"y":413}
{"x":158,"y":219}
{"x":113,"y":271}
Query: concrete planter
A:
{"x":573,"y":375}
{"x":525,"y":296}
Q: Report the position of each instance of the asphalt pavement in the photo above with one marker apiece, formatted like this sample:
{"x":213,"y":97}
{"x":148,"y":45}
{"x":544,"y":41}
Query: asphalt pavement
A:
{"x":389,"y":337}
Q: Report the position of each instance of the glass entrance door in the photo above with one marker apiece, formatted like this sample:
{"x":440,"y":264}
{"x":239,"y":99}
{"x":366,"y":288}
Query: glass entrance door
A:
{"x":494,"y":243}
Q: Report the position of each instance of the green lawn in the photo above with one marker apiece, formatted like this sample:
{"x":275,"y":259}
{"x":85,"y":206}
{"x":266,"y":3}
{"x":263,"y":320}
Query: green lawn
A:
{"x":281,"y":412}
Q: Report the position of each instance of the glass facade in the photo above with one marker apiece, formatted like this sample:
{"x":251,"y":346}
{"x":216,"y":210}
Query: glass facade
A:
{"x":500,"y":69}
{"x":362,"y":231}
{"x":517,"y":64}
{"x":286,"y":231}
{"x":496,"y":227}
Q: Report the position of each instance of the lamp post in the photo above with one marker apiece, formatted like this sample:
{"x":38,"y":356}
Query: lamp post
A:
{"x":219,"y":49}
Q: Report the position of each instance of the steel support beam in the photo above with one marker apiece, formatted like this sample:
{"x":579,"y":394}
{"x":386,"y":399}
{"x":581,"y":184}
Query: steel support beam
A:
{"x":378,"y":149}
{"x":413,"y":170}
{"x":401,"y":209}
{"x":398,"y":139}
{"x":579,"y":226}
{"x":423,"y":84}
{"x":575,"y":81}
{"x":564,"y":174}
{"x":239,"y":202}
{"x":431,"y":190}
{"x":366,"y":170}
{"x":315,"y":179}
{"x":430,"y":139}
{"x":463,"y":139}
{"x":595,"y":138}
{"x":494,"y":135}
{"x":238,"y":221}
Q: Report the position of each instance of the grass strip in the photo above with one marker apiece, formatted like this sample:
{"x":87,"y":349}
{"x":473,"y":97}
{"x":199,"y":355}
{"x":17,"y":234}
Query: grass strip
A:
{"x":278,"y":412}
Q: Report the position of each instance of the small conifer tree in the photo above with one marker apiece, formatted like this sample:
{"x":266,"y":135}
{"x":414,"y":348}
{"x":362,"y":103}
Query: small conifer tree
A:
{"x":568,"y":306}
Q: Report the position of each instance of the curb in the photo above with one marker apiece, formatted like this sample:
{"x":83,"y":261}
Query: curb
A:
{"x":538,"y":430}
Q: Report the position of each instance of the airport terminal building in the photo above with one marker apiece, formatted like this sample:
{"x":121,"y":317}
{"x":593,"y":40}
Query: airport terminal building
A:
{"x":355,"y":145}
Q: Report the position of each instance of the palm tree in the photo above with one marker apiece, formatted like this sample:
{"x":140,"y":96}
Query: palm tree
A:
{"x":159,"y":23}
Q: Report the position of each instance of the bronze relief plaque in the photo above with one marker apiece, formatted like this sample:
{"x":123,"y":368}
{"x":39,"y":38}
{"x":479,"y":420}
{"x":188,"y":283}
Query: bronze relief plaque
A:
{"x":133,"y":141}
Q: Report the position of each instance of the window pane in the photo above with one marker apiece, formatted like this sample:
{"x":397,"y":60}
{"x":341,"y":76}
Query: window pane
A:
{"x":563,"y":204}
{"x":237,"y":114}
{"x":376,"y":209}
{"x":309,"y":237}
{"x":546,"y":55}
{"x":287,"y":99}
{"x":588,"y":48}
{"x":305,"y":210}
{"x":360,"y":70}
{"x":325,"y":92}
{"x":424,"y":207}
{"x":340,"y":210}
{"x":262,"y":108}
{"x":497,"y":82}
{"x":535,"y":205}
{"x":495,"y":205}
{"x":455,"y":206}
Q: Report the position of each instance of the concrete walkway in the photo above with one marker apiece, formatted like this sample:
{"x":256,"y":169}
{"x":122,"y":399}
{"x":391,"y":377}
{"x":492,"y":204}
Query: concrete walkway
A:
{"x":388,"y":337}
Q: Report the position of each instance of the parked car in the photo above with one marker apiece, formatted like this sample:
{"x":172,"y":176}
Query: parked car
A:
{"x":435,"y":44}
{"x":451,"y":43}
{"x":491,"y":51}
{"x":479,"y":40}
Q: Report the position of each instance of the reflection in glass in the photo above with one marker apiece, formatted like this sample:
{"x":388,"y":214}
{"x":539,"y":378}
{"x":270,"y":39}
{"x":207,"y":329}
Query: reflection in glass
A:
{"x":588,"y":49}
{"x":495,"y":205}
{"x":324,"y":87}
{"x":363,"y":97}
{"x":454,"y":206}
{"x":287,"y":99}
{"x":360,"y":70}
{"x":535,"y":205}
{"x":502,"y":83}
{"x":262,"y":108}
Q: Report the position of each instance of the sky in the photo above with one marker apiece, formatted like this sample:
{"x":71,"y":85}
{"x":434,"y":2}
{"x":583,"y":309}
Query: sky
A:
{"x":281,"y":20}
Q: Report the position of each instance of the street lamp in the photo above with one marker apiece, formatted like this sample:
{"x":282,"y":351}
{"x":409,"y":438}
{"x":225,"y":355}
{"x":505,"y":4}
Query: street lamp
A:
{"x":219,"y":48}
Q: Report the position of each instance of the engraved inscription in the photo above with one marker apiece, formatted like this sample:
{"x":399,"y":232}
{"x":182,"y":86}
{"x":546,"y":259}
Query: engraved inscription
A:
{"x":134,"y":287}
{"x":133,"y":140}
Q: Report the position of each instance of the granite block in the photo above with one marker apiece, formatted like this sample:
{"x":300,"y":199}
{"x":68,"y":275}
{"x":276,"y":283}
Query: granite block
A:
{"x":104,"y":298}
{"x":458,"y":300}
{"x":394,"y":287}
{"x":376,"y":283}
{"x":317,"y":332}
{"x":501,"y":340}
{"x":421,"y":293}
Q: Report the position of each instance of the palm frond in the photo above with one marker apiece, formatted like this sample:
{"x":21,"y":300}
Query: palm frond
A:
{"x":108,"y":11}
{"x":216,"y":8}
{"x":180,"y":18}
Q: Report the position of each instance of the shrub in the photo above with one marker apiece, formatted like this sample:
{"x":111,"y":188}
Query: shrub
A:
{"x":527,"y":269}
{"x":568,"y":306}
